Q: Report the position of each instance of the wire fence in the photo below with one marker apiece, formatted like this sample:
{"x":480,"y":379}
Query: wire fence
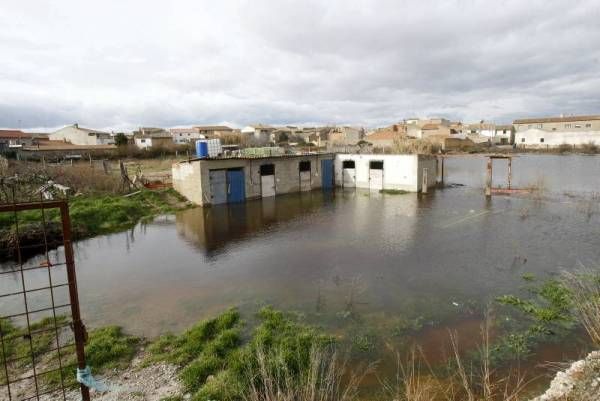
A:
{"x":42,"y":336}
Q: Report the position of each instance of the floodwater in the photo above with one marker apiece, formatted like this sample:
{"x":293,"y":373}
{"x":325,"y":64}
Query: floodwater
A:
{"x":354,"y":262}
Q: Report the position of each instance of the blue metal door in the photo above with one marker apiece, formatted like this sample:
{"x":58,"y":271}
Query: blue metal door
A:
{"x":327,"y":174}
{"x":236,"y":187}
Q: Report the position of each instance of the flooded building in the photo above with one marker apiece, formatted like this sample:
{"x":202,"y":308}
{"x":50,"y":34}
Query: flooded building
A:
{"x":222,"y":180}
{"x":386,"y":172}
{"x":230,"y":180}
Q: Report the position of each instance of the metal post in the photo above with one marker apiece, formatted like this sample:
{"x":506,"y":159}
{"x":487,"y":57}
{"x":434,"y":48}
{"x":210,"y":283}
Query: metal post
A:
{"x":78,"y":326}
{"x":424,"y":184}
{"x":509,"y":172}
{"x":488,"y":183}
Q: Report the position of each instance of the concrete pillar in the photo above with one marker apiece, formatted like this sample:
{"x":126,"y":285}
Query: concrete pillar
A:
{"x":425,"y":180}
{"x":488,"y":181}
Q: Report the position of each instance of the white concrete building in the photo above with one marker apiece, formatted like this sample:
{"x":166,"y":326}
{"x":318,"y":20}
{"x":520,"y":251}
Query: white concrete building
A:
{"x":76,"y":135}
{"x":185,"y":135}
{"x":377,"y":172}
{"x":539,"y":138}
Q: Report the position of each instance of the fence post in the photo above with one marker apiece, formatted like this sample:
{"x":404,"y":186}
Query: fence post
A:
{"x":488,"y":182}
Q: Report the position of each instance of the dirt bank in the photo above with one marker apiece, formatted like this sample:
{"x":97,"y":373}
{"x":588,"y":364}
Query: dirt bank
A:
{"x":580,"y":382}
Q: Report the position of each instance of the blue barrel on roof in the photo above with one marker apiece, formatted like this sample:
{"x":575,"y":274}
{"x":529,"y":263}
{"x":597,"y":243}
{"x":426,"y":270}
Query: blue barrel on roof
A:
{"x":202,"y":149}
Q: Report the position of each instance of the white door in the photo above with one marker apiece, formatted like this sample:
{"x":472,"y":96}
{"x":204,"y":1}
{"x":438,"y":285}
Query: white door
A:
{"x":218,"y":186}
{"x":376,"y":179}
{"x":349,"y":177}
{"x":305,"y":181}
{"x":267,"y":185}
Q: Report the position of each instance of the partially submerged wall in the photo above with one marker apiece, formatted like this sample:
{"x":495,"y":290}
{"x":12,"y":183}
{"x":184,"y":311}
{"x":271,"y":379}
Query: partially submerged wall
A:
{"x":400,"y":172}
{"x":192,"y":179}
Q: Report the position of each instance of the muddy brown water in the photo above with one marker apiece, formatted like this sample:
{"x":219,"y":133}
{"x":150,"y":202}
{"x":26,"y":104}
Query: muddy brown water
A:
{"x":359,"y":264}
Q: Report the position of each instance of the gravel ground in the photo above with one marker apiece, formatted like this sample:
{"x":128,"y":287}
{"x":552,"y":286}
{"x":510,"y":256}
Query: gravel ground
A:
{"x":135,"y":383}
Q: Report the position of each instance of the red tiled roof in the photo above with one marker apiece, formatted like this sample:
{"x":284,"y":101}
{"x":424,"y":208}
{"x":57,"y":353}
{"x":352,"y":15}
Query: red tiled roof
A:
{"x":14,"y":134}
{"x":430,"y":126}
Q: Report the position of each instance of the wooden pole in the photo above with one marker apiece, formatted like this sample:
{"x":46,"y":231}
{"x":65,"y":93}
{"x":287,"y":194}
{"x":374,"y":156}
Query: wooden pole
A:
{"x":488,"y":183}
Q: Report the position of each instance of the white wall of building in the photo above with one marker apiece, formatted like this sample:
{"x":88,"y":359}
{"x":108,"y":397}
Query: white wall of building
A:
{"x":540,"y":138}
{"x":143,"y":143}
{"x":77,"y":136}
{"x":400,"y":172}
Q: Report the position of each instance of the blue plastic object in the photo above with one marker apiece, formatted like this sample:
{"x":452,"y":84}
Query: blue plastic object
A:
{"x":202,"y":149}
{"x":84,"y":376}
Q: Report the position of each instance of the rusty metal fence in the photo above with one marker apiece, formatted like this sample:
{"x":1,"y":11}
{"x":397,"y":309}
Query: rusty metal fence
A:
{"x":42,"y":336}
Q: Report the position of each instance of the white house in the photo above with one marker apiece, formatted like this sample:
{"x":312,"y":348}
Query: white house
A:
{"x":76,"y":135}
{"x":539,"y":138}
{"x":385,"y":172}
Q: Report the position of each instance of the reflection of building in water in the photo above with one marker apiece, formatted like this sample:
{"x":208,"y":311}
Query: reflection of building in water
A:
{"x":213,"y":228}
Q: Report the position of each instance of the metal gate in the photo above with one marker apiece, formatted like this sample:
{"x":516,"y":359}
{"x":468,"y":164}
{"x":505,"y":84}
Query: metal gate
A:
{"x":304,"y":171}
{"x":376,"y":175}
{"x":36,"y":287}
{"x":267,"y":180}
{"x":348,"y":174}
{"x":327,"y":174}
{"x":236,"y":185}
{"x":218,"y":186}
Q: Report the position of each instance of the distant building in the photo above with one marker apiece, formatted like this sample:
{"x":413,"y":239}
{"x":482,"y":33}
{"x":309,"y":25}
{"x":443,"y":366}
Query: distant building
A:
{"x":185,"y":135}
{"x":14,"y":139}
{"x":559,"y":124}
{"x":76,"y":135}
{"x":556,"y":131}
{"x":150,"y":137}
{"x":345,"y":135}
{"x":259,"y":132}
{"x":386,"y":137}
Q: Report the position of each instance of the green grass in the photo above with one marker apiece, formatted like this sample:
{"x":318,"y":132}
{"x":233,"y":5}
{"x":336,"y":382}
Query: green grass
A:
{"x":215,"y":365}
{"x":106,"y":348}
{"x":90,"y":216}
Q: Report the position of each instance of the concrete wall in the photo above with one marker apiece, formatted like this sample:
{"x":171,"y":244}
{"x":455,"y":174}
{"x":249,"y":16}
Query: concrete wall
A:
{"x":191,"y":179}
{"x":533,"y":138}
{"x":400,"y":172}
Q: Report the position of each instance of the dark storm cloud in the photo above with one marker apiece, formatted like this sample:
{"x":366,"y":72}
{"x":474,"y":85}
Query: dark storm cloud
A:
{"x":123,"y":64}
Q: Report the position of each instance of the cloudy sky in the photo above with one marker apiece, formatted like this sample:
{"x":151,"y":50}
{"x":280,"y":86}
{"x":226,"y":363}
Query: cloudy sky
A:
{"x":123,"y":63}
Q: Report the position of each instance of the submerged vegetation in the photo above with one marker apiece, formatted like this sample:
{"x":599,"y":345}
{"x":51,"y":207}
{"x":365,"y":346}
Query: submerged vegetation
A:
{"x":90,"y":216}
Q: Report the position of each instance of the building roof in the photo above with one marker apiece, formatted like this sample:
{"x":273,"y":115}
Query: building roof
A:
{"x":384,"y":134}
{"x":213,"y":128}
{"x":61,"y":145}
{"x":430,"y":126}
{"x":14,"y":134}
{"x":86,"y":130}
{"x":504,"y":127}
{"x":183,"y":130}
{"x":556,"y":119}
{"x":261,"y":126}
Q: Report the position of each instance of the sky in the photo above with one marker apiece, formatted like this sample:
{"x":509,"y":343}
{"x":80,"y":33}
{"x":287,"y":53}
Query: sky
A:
{"x":122,"y":64}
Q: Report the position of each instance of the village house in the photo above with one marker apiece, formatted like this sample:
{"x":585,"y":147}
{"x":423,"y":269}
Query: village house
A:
{"x":345,"y":135}
{"x":185,"y":135}
{"x":259,"y":133}
{"x":76,"y":135}
{"x":149,"y":137}
{"x":556,"y":131}
{"x":14,"y":139}
{"x":387,"y":137}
